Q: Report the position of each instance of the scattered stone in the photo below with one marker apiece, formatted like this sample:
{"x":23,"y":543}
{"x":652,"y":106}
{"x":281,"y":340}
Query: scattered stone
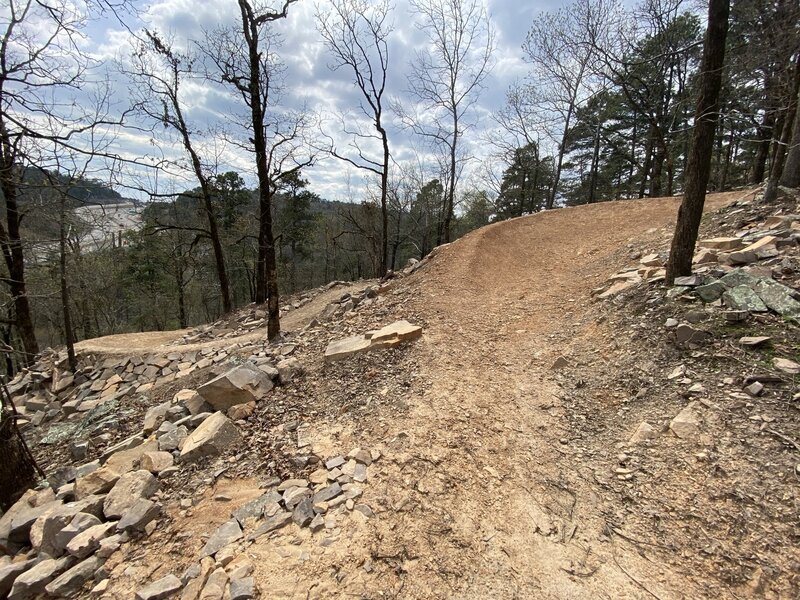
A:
{"x":33,"y":581}
{"x":155,"y":462}
{"x":214,"y":435}
{"x":755,"y":388}
{"x":787,"y":366}
{"x":288,"y":369}
{"x":686,"y":424}
{"x":130,"y":488}
{"x":743,"y":298}
{"x":86,"y":542}
{"x":241,"y":411}
{"x":304,"y":512}
{"x":240,"y":385}
{"x":686,"y":334}
{"x":689,"y":280}
{"x":10,"y":572}
{"x":72,"y":580}
{"x":778,"y":298}
{"x":242,"y":588}
{"x":671,"y":323}
{"x":336,"y":461}
{"x":276,"y":521}
{"x":96,"y":482}
{"x":754,"y":341}
{"x":389,"y":336}
{"x":327,"y":493}
{"x":722,"y":243}
{"x":138,"y":515}
{"x":214,"y":588}
{"x":364,"y":510}
{"x":227,"y":533}
{"x":154,"y":417}
{"x":163,"y":588}
{"x":710,"y":292}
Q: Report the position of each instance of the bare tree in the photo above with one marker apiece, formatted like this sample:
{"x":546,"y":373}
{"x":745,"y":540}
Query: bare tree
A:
{"x":244,"y":61}
{"x":446,"y":79}
{"x":779,"y":158}
{"x":158,"y":72}
{"x":698,"y":168}
{"x":356,"y":34}
{"x":52,"y":100}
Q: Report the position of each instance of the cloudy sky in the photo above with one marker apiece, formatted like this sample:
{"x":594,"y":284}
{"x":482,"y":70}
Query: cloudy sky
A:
{"x":310,"y":82}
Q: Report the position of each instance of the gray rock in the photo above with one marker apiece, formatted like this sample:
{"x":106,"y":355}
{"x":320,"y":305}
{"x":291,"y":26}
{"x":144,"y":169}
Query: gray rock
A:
{"x":214,"y":435}
{"x":293,"y":496}
{"x":686,"y":334}
{"x":710,"y":292}
{"x":139,"y":515}
{"x":10,"y":572}
{"x":288,"y":369}
{"x":80,"y":523}
{"x":743,"y":298}
{"x":243,"y":588}
{"x":33,"y":581}
{"x":689,"y":280}
{"x":163,"y":588}
{"x":62,"y":476}
{"x":70,"y":582}
{"x":154,"y":417}
{"x":778,"y":298}
{"x":242,"y":384}
{"x":686,"y":424}
{"x":226,"y":534}
{"x":304,"y":512}
{"x":274,"y":522}
{"x":173,"y":439}
{"x":86,"y":542}
{"x":46,"y":528}
{"x":20,"y":527}
{"x":255,"y":508}
{"x":98,"y":481}
{"x":130,"y":488}
{"x":738,"y":277}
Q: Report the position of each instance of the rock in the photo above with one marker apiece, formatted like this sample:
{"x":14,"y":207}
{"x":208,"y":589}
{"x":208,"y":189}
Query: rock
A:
{"x":128,"y":460}
{"x":33,"y":581}
{"x":710,"y":292}
{"x":671,"y":323}
{"x":126,"y":444}
{"x":689,"y":280}
{"x":86,"y":542}
{"x":47,"y":526}
{"x":138,"y":515}
{"x":291,"y":483}
{"x":364,"y":510}
{"x":755,"y":388}
{"x":163,"y":588}
{"x":71,"y":581}
{"x":155,"y":462}
{"x":226,"y":534}
{"x":79,"y":450}
{"x":304,"y":512}
{"x":735,"y":316}
{"x":79,"y":523}
{"x":243,"y":588}
{"x":686,"y":424}
{"x":787,"y":366}
{"x":276,"y":521}
{"x":255,"y":508}
{"x":214,"y":435}
{"x":96,"y":482}
{"x":173,"y":439}
{"x":387,"y":337}
{"x":560,"y":363}
{"x":10,"y":572}
{"x":288,"y":369}
{"x":294,"y":495}
{"x":778,"y":298}
{"x":738,"y":277}
{"x":754,"y":341}
{"x":240,"y":385}
{"x":241,"y":411}
{"x":764,"y":242}
{"x":652,"y":260}
{"x":742,"y":297}
{"x":214,"y":589}
{"x":154,"y":417}
{"x":705,"y":256}
{"x":130,"y":488}
{"x":193,"y":401}
{"x":686,"y":334}
{"x":327,"y":493}
{"x":643,"y":432}
{"x":336,"y":461}
{"x":722,"y":243}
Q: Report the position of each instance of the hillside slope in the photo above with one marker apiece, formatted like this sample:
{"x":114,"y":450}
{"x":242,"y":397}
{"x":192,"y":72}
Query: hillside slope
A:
{"x":500,"y":463}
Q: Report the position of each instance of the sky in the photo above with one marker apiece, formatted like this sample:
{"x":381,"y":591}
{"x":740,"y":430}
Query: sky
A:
{"x":310,"y":83}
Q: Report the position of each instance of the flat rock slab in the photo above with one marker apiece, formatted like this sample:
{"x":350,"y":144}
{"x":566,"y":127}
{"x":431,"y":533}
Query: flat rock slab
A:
{"x":722,"y":243}
{"x":163,"y":588}
{"x":214,"y":435}
{"x":386,"y":337}
{"x":240,"y":385}
{"x":130,"y":488}
{"x":226,"y":534}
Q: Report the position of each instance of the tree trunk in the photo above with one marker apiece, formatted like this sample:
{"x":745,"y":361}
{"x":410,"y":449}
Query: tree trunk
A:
{"x":776,"y":173}
{"x":762,"y":153}
{"x":791,"y":170}
{"x":384,"y":207}
{"x":595,"y":165}
{"x":698,"y":167}
{"x":69,"y":336}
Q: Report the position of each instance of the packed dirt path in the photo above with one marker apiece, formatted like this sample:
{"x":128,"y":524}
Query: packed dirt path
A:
{"x":485,"y":500}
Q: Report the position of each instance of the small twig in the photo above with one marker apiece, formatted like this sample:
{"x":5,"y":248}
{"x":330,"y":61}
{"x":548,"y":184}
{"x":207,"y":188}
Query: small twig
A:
{"x":785,"y":438}
{"x":633,"y":579}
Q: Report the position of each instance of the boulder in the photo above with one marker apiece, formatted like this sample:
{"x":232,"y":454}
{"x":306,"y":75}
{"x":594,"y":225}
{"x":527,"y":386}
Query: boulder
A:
{"x":139,"y":515}
{"x":32,"y":582}
{"x":10,"y":572}
{"x":241,"y":411}
{"x":46,"y":527}
{"x":193,"y":402}
{"x":386,"y":337}
{"x":20,"y":527}
{"x":240,"y":385}
{"x":163,"y":588}
{"x":710,"y":292}
{"x":154,"y":416}
{"x":155,"y":462}
{"x":778,"y":298}
{"x":214,"y":435}
{"x":214,"y":588}
{"x":80,"y":523}
{"x":96,"y":482}
{"x":86,"y":542}
{"x":226,"y":534}
{"x":742,"y":297}
{"x":173,"y":438}
{"x":130,"y":488}
{"x":738,"y":277}
{"x":128,"y":460}
{"x":242,"y":588}
{"x":70,"y":582}
{"x":288,"y":369}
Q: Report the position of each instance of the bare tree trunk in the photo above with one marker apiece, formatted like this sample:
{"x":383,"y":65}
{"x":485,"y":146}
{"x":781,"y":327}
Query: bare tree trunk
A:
{"x":771,"y":193}
{"x":698,"y":167}
{"x":791,"y":170}
{"x":762,"y":153}
{"x":69,"y":336}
